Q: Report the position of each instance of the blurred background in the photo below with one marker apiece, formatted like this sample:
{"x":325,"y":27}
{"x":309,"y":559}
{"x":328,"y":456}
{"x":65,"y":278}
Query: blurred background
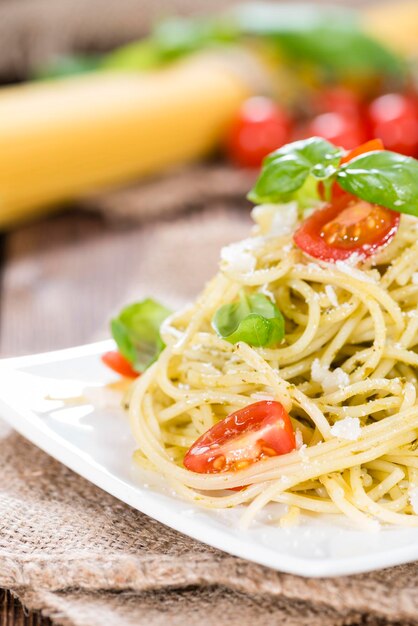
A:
{"x":131,"y":131}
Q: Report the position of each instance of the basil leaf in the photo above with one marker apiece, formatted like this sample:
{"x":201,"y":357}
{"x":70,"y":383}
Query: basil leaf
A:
{"x":171,"y":40}
{"x":341,"y":50}
{"x":287,"y":169}
{"x":64,"y":66}
{"x":137,"y":56}
{"x":328,"y":37}
{"x":384,"y":178}
{"x":136,"y":332}
{"x":177,"y":37}
{"x":253,"y":319}
{"x":266,"y":19}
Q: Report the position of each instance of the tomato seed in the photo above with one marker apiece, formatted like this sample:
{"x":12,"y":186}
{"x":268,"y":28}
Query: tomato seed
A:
{"x":219,"y":463}
{"x":268,"y":451}
{"x":239,"y":465}
{"x":331,"y":238}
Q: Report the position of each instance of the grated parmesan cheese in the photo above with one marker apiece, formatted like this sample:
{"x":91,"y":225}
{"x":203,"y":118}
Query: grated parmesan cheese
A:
{"x":276,"y":219}
{"x":266,"y":292}
{"x":238,"y":257}
{"x":347,"y":428}
{"x":331,"y":295}
{"x":329,"y":381}
{"x":284,"y":219}
{"x":298,"y":438}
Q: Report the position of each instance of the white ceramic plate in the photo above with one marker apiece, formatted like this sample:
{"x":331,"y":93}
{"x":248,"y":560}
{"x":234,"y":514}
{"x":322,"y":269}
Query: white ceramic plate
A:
{"x":96,"y":443}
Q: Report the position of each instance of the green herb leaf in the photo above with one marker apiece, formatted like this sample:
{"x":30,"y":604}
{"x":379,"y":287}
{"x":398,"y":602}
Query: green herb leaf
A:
{"x":253,"y":319}
{"x":64,"y":66}
{"x":170,"y":40}
{"x":342,"y":51}
{"x":384,"y":178}
{"x":141,"y":55}
{"x":136,"y":332}
{"x":286,"y":170}
{"x":328,"y":37}
{"x":177,"y":37}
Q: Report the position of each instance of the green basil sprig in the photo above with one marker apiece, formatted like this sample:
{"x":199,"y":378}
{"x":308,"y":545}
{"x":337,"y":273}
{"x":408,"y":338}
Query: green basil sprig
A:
{"x":136,"y":332}
{"x":170,"y":40}
{"x":384,"y":178}
{"x":328,"y":37}
{"x":253,"y":319}
{"x":287,"y":169}
{"x":67,"y":65}
{"x":380,"y":177}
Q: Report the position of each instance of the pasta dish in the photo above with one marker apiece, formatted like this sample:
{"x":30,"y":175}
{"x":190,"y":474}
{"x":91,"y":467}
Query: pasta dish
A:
{"x":293,"y":377}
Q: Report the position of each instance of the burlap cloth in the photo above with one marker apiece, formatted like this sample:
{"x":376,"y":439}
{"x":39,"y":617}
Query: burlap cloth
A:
{"x":86,"y":559}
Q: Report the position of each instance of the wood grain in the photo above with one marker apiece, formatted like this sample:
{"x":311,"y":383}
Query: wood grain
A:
{"x":55,"y":290}
{"x":63,"y":277}
{"x":53,"y":293}
{"x":12,"y":613}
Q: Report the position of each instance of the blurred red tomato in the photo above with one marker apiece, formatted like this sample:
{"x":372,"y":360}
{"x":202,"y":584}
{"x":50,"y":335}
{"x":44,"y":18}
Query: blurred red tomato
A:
{"x":394,"y":119}
{"x":341,"y":130}
{"x":260,"y":127}
{"x":337,"y":100}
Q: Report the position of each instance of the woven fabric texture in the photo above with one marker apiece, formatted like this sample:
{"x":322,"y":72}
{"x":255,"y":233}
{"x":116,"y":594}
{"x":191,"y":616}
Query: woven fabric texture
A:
{"x":88,"y":560}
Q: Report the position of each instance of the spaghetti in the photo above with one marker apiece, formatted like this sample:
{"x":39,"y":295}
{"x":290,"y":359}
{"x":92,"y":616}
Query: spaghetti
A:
{"x":348,"y":359}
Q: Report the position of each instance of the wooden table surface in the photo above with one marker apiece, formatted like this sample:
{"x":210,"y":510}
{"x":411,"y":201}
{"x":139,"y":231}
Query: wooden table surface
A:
{"x":63,"y":276}
{"x":60,"y":279}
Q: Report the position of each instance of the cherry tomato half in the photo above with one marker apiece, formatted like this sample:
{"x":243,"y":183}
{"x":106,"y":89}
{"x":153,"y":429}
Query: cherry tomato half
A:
{"x":394,"y":118}
{"x":119,"y":364}
{"x":368,"y":146}
{"x":345,"y":226}
{"x":341,"y":130}
{"x":257,"y":431}
{"x":260,"y":127}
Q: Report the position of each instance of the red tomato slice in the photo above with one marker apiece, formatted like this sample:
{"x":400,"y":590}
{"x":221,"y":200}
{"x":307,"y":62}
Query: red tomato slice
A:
{"x":261,"y":126}
{"x":368,"y":146}
{"x":257,"y":431}
{"x":119,"y":364}
{"x":347,"y":225}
